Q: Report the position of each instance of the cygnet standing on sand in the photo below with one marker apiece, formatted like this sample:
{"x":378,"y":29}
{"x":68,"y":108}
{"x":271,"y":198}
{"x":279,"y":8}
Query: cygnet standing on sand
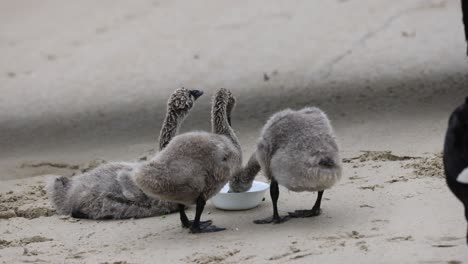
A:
{"x":108,"y":192}
{"x":196,"y":165}
{"x":456,"y":155}
{"x":298,"y":150}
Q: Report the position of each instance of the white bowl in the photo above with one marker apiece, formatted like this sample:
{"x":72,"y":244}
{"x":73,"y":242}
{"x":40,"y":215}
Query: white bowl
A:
{"x":240,"y":201}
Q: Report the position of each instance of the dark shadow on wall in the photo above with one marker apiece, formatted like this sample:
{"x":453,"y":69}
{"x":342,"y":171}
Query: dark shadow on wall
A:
{"x":141,"y":123}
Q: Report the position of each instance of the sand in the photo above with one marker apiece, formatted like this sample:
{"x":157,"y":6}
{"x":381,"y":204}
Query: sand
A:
{"x":383,"y":211}
{"x":84,"y":84}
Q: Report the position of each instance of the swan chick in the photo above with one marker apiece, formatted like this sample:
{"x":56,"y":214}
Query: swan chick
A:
{"x":195,"y":166}
{"x":108,"y":192}
{"x":298,"y":150}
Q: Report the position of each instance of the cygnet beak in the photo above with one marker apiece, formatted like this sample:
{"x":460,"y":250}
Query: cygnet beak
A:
{"x":196,"y":93}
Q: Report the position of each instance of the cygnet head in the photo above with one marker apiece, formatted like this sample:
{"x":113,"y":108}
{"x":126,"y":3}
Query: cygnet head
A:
{"x":182,"y":100}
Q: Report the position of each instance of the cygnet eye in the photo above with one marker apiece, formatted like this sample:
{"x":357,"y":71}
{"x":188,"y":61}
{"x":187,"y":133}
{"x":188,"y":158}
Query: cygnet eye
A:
{"x":189,"y":102}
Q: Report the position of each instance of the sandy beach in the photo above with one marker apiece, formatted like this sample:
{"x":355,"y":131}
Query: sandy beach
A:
{"x":87,"y":83}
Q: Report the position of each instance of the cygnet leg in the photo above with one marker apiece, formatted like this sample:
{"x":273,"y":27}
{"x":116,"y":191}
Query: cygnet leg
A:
{"x":183,"y":217}
{"x":199,"y":227}
{"x":186,"y":223}
{"x":315,"y":211}
{"x":275,"y":219}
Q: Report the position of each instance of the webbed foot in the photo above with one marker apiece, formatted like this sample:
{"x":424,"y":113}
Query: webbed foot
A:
{"x":205,"y":229}
{"x":305,"y":213}
{"x":272,"y":219}
{"x":202,"y":223}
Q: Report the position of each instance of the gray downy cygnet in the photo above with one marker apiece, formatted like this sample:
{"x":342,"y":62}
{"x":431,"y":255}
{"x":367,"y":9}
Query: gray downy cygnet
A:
{"x":298,"y":150}
{"x":108,"y":192}
{"x":196,"y":165}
